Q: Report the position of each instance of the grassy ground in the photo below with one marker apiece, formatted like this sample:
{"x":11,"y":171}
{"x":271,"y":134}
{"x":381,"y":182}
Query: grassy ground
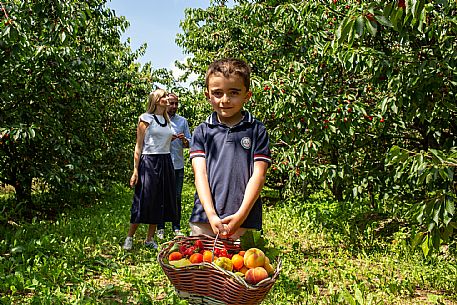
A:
{"x":77,"y":259}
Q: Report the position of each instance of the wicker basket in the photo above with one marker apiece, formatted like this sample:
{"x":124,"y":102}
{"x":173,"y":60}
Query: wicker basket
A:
{"x":207,"y":283}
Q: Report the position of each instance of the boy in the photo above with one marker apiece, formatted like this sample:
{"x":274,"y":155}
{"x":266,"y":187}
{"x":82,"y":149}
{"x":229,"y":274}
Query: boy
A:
{"x":230,"y":156}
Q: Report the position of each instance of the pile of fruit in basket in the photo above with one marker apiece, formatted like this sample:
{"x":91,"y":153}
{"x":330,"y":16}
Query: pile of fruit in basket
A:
{"x":252,"y":265}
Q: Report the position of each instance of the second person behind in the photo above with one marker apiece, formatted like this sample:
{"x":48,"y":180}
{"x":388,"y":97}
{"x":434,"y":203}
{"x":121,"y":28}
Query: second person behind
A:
{"x":180,"y":140}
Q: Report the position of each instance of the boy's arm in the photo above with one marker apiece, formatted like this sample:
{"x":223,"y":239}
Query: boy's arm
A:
{"x":204,"y":194}
{"x":253,"y":189}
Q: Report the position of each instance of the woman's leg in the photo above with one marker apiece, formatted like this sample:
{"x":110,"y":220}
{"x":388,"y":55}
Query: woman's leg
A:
{"x":151,"y":231}
{"x":132,"y":229}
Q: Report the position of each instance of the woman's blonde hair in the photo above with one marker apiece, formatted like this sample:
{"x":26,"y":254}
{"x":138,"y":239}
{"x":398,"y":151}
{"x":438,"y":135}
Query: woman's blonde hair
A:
{"x":153,"y":99}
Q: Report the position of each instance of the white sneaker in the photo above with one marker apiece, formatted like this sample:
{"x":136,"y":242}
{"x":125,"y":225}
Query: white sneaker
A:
{"x":178,"y":233}
{"x":128,"y":244}
{"x":160,"y":234}
{"x":151,"y":244}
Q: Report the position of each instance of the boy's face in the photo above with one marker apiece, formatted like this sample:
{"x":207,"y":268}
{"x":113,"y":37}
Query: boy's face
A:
{"x":227,"y":96}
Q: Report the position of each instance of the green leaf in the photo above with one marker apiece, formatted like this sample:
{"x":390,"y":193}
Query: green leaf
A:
{"x":32,"y":132}
{"x":359,"y":25}
{"x":252,"y":239}
{"x":346,"y":28}
{"x":6,"y":31}
{"x":450,"y":206}
{"x":348,"y":297}
{"x":372,"y":27}
{"x":425,"y":247}
{"x":418,"y":239}
{"x":447,"y":233}
{"x":436,"y":240}
{"x":383,"y":20}
{"x":422,"y":19}
{"x":358,"y":295}
{"x":436,"y":213}
{"x":447,"y":219}
{"x":436,"y":154}
{"x":396,"y":18}
{"x":394,"y":108}
{"x":16,"y":250}
{"x":444,"y":174}
{"x":384,"y":104}
{"x":62,"y":36}
{"x":387,"y":11}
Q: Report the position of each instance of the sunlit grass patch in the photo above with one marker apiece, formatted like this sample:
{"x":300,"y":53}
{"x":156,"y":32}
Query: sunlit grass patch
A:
{"x":322,"y":267}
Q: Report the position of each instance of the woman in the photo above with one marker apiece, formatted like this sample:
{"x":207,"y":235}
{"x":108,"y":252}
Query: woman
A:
{"x":154,"y":200}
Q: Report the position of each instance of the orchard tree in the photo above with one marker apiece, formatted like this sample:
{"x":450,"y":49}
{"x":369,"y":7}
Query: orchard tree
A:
{"x":358,"y":96}
{"x":70,"y":95}
{"x":412,"y":48}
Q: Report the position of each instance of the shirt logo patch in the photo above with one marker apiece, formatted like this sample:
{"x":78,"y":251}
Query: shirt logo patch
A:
{"x":246,"y":143}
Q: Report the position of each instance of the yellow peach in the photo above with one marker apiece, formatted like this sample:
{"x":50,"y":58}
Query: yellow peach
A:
{"x":254,"y":258}
{"x":269,"y":268}
{"x":238,"y":262}
{"x":224,"y":263}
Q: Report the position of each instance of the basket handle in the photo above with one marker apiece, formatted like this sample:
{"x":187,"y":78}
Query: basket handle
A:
{"x":214,"y":246}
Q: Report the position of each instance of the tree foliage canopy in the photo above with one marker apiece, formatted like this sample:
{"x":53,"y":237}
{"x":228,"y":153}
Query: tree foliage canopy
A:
{"x":358,"y":96}
{"x":70,"y":95}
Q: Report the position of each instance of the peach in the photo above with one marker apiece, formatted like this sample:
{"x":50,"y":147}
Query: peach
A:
{"x":196,"y":258}
{"x":208,"y":256}
{"x":224,"y":263}
{"x":238,"y":262}
{"x":254,"y":258}
{"x":269,"y":268}
{"x":255,"y":275}
{"x":174,"y":256}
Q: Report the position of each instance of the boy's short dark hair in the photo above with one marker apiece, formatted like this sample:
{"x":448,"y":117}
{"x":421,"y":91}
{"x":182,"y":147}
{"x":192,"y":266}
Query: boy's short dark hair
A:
{"x":230,"y":66}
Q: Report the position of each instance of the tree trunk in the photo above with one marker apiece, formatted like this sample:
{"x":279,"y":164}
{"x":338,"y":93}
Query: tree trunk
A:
{"x":337,"y":189}
{"x":24,"y":191}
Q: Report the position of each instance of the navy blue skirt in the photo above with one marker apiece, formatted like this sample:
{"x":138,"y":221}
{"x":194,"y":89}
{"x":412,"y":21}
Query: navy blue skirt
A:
{"x":154,"y":200}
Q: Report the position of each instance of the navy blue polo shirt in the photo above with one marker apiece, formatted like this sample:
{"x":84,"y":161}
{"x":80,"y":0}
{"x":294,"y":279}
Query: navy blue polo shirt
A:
{"x":230,"y":153}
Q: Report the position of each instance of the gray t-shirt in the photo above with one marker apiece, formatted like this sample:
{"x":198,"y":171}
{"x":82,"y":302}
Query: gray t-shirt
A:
{"x":157,"y":139}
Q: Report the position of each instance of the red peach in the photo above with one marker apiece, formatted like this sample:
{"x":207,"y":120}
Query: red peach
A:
{"x":255,"y":275}
{"x":196,"y":258}
{"x":174,"y":256}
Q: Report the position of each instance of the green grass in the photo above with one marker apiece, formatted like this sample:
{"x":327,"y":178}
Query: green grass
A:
{"x":77,"y":259}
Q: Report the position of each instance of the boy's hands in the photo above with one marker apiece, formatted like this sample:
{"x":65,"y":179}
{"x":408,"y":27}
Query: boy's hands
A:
{"x":232,"y":223}
{"x":217,"y":226}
